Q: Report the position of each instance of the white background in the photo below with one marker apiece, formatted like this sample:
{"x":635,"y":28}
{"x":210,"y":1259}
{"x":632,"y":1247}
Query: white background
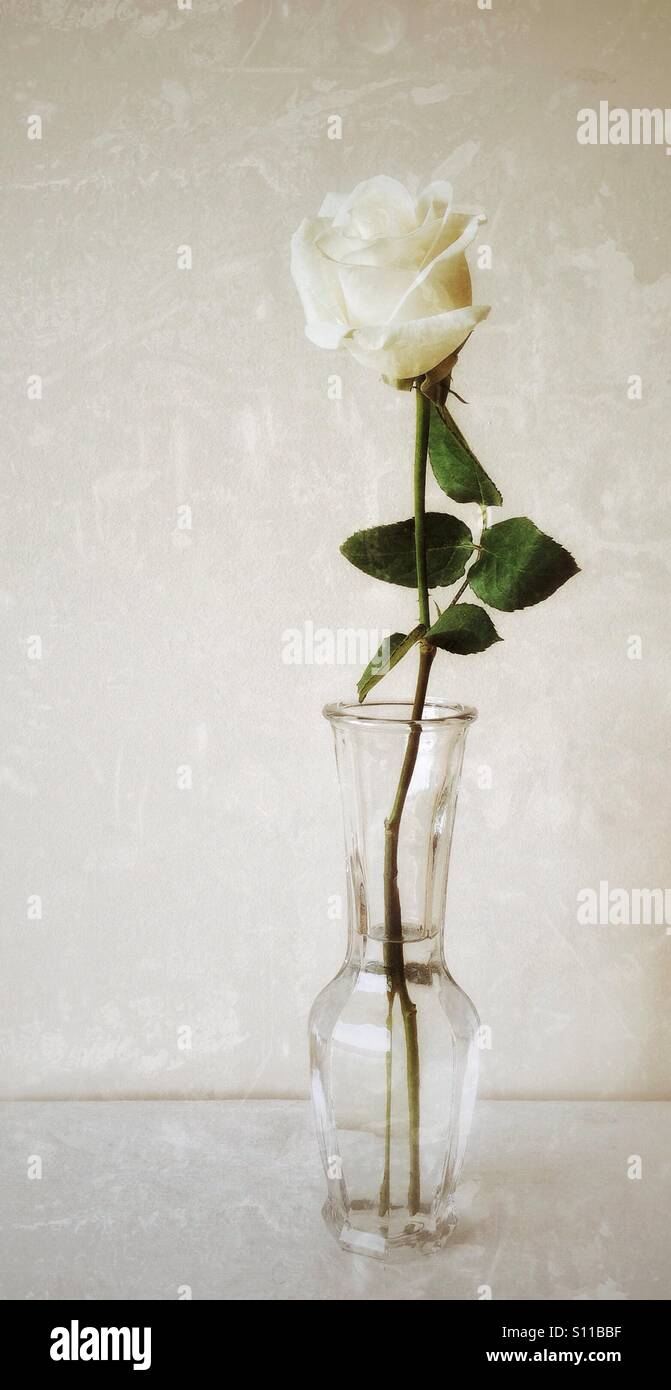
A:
{"x":207,"y":909}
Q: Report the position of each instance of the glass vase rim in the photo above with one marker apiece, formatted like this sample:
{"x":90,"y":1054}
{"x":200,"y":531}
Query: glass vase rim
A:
{"x":437,"y":714}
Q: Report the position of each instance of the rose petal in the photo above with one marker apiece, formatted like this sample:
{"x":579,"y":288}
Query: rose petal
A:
{"x":444,"y":283}
{"x":385,"y":294}
{"x":371,"y":294}
{"x":409,"y":349}
{"x":326,"y":335}
{"x":413,"y":249}
{"x":435,"y":199}
{"x":377,"y":207}
{"x":316,"y":276}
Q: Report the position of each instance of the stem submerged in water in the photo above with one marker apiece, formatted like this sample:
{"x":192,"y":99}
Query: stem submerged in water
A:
{"x":394,"y":960}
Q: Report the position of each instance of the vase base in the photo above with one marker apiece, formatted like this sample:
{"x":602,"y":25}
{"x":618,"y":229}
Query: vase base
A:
{"x":363,"y":1231}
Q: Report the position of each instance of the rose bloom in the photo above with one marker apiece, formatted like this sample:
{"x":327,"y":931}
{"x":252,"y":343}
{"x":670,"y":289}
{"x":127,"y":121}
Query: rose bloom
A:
{"x":385,"y":275}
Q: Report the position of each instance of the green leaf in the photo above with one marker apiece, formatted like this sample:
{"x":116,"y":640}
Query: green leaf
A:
{"x":465,"y":628}
{"x":519,"y":565}
{"x":388,"y":552}
{"x":455,"y":466}
{"x":388,"y":655}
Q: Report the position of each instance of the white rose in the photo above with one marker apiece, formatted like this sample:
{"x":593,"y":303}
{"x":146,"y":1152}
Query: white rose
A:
{"x":385,"y":275}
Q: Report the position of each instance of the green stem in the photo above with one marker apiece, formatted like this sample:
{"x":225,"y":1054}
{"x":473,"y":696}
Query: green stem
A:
{"x":385,"y":1194}
{"x":394,"y":959}
{"x":421,"y":449}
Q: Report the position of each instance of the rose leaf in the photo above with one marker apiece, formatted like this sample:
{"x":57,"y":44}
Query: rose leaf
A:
{"x":388,"y":552}
{"x":455,"y":466}
{"x":519,"y":565}
{"x":388,"y":655}
{"x":463,"y":629}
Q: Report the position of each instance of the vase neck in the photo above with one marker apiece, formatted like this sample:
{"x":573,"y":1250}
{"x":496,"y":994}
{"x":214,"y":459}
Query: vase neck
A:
{"x":370,"y":755}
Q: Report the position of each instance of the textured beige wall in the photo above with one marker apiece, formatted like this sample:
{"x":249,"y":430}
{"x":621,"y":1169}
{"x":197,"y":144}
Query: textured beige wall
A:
{"x":167,"y":908}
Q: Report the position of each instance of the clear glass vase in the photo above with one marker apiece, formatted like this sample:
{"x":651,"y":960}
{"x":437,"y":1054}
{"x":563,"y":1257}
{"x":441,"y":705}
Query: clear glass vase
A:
{"x":393,"y":1039}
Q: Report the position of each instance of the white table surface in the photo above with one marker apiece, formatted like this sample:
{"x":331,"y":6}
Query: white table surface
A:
{"x":139,"y":1199}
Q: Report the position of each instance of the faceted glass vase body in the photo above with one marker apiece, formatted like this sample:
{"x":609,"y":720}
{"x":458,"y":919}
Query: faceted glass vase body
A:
{"x":393,"y":1039}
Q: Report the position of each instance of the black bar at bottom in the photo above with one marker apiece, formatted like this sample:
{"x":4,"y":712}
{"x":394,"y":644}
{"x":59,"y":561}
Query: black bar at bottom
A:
{"x":161,"y":1338}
